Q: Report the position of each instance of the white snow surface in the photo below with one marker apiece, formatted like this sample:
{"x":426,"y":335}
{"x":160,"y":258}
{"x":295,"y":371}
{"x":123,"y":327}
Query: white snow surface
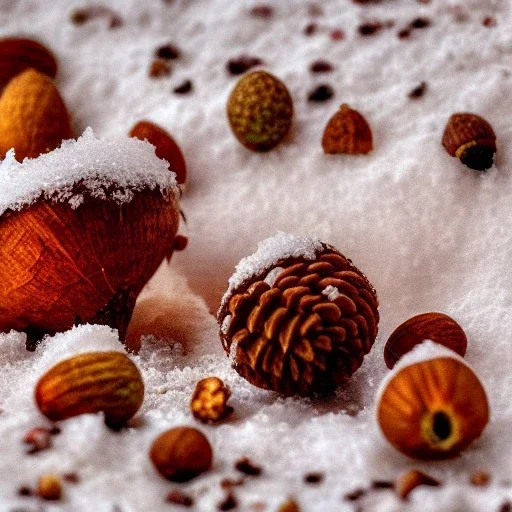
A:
{"x":430,"y":235}
{"x":114,"y":168}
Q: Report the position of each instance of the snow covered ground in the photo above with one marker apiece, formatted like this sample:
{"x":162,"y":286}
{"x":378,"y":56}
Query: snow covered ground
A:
{"x":430,"y":235}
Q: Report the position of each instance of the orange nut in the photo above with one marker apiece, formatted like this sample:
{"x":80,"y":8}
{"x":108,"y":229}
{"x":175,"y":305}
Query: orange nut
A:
{"x":166,"y":147}
{"x":433,"y":409}
{"x":181,"y":454}
{"x":437,"y":327}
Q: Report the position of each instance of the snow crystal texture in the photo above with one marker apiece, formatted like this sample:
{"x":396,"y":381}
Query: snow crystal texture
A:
{"x":112,"y":168}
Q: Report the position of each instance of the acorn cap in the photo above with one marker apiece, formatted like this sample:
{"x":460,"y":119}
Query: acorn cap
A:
{"x":347,"y":132}
{"x":471,"y":139}
{"x":304,"y":330}
{"x":260,"y":111}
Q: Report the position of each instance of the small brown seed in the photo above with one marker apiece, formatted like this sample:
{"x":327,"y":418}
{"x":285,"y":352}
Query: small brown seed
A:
{"x":181,"y":454}
{"x":39,"y":438}
{"x":289,"y":506}
{"x":229,"y":503}
{"x":159,"y":68}
{"x":179,"y":498}
{"x":49,"y":487}
{"x":184,"y":88}
{"x":247,"y":467}
{"x":355,"y":495}
{"x":313,"y":478}
{"x":407,"y":482}
{"x":480,"y":478}
{"x":167,"y":52}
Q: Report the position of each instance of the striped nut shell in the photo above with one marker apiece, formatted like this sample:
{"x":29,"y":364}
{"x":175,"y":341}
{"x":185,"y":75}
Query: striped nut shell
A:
{"x":307,"y":332}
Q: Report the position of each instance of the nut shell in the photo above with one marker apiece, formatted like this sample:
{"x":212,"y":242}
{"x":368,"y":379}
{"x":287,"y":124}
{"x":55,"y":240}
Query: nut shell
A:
{"x":181,"y":454}
{"x":437,"y":327}
{"x":260,"y":111}
{"x":107,"y":382}
{"x":19,"y":54}
{"x":292,"y":336}
{"x":209,"y":400}
{"x":347,"y":132}
{"x":165,"y":146}
{"x":471,"y":139}
{"x":33,"y":117}
{"x":433,"y":409}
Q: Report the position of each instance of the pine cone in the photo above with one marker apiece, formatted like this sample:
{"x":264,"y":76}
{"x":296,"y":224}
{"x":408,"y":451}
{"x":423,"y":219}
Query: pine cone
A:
{"x":308,"y":331}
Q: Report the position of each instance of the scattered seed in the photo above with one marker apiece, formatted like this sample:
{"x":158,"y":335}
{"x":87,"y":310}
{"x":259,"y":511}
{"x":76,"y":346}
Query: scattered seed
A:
{"x":404,"y":33}
{"x":289,"y":506}
{"x":241,"y":64}
{"x":49,"y":487}
{"x":229,"y":503}
{"x":337,"y":34}
{"x":489,"y":22}
{"x":159,"y":68}
{"x":313,"y":478}
{"x":39,"y":439}
{"x":407,"y":482}
{"x":382,"y":484}
{"x":184,"y":88}
{"x":506,"y":506}
{"x":355,"y":495}
{"x":321,"y":66}
{"x":321,"y":93}
{"x":25,"y":491}
{"x":420,"y":23}
{"x":418,"y":91}
{"x":167,"y":52}
{"x":246,"y":466}
{"x":369,"y":28}
{"x":81,"y":16}
{"x":310,"y":29}
{"x":179,"y":498}
{"x":72,"y":478}
{"x":229,"y":483}
{"x":480,"y":478}
{"x":262,"y":11}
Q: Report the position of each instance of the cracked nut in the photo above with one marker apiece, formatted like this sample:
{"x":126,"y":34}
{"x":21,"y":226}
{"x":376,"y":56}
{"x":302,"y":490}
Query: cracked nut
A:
{"x":471,"y":139}
{"x":209,"y":401}
{"x":438,"y":327}
{"x":107,"y":382}
{"x":433,"y":409}
{"x":181,"y":453}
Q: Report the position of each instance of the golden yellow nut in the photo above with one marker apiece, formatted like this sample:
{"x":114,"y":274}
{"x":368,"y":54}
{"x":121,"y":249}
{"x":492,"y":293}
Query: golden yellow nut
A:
{"x":209,"y":401}
{"x":433,"y":409}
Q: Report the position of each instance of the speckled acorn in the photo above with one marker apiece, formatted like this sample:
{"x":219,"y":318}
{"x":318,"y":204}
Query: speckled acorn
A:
{"x":260,"y":111}
{"x":471,"y":139}
{"x":433,"y":409}
{"x":438,"y":327}
{"x":347,"y":132}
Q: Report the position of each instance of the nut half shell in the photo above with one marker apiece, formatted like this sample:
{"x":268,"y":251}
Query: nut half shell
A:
{"x":433,"y":409}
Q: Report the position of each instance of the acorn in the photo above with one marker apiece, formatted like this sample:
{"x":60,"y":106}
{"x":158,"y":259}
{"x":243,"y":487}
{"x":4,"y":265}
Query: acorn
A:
{"x":298,"y":317}
{"x":438,"y":327}
{"x":260,"y":111}
{"x":433,"y":408}
{"x":347,"y":132}
{"x":471,"y":139}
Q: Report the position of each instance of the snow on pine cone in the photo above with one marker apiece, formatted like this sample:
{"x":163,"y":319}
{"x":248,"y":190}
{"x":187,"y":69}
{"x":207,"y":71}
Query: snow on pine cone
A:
{"x":301,"y":326}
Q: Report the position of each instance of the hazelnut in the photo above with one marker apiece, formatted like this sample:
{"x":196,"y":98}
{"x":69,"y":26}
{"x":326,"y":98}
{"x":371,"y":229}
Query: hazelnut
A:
{"x":209,"y":401}
{"x":437,"y":327}
{"x":471,"y":139}
{"x":433,"y":409}
{"x":49,"y":487}
{"x":181,"y":453}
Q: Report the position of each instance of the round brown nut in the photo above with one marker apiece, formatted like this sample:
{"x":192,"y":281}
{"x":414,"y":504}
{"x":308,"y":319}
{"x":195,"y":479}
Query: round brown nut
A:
{"x":49,"y":487}
{"x":260,"y":111}
{"x":181,"y":453}
{"x":438,"y":327}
